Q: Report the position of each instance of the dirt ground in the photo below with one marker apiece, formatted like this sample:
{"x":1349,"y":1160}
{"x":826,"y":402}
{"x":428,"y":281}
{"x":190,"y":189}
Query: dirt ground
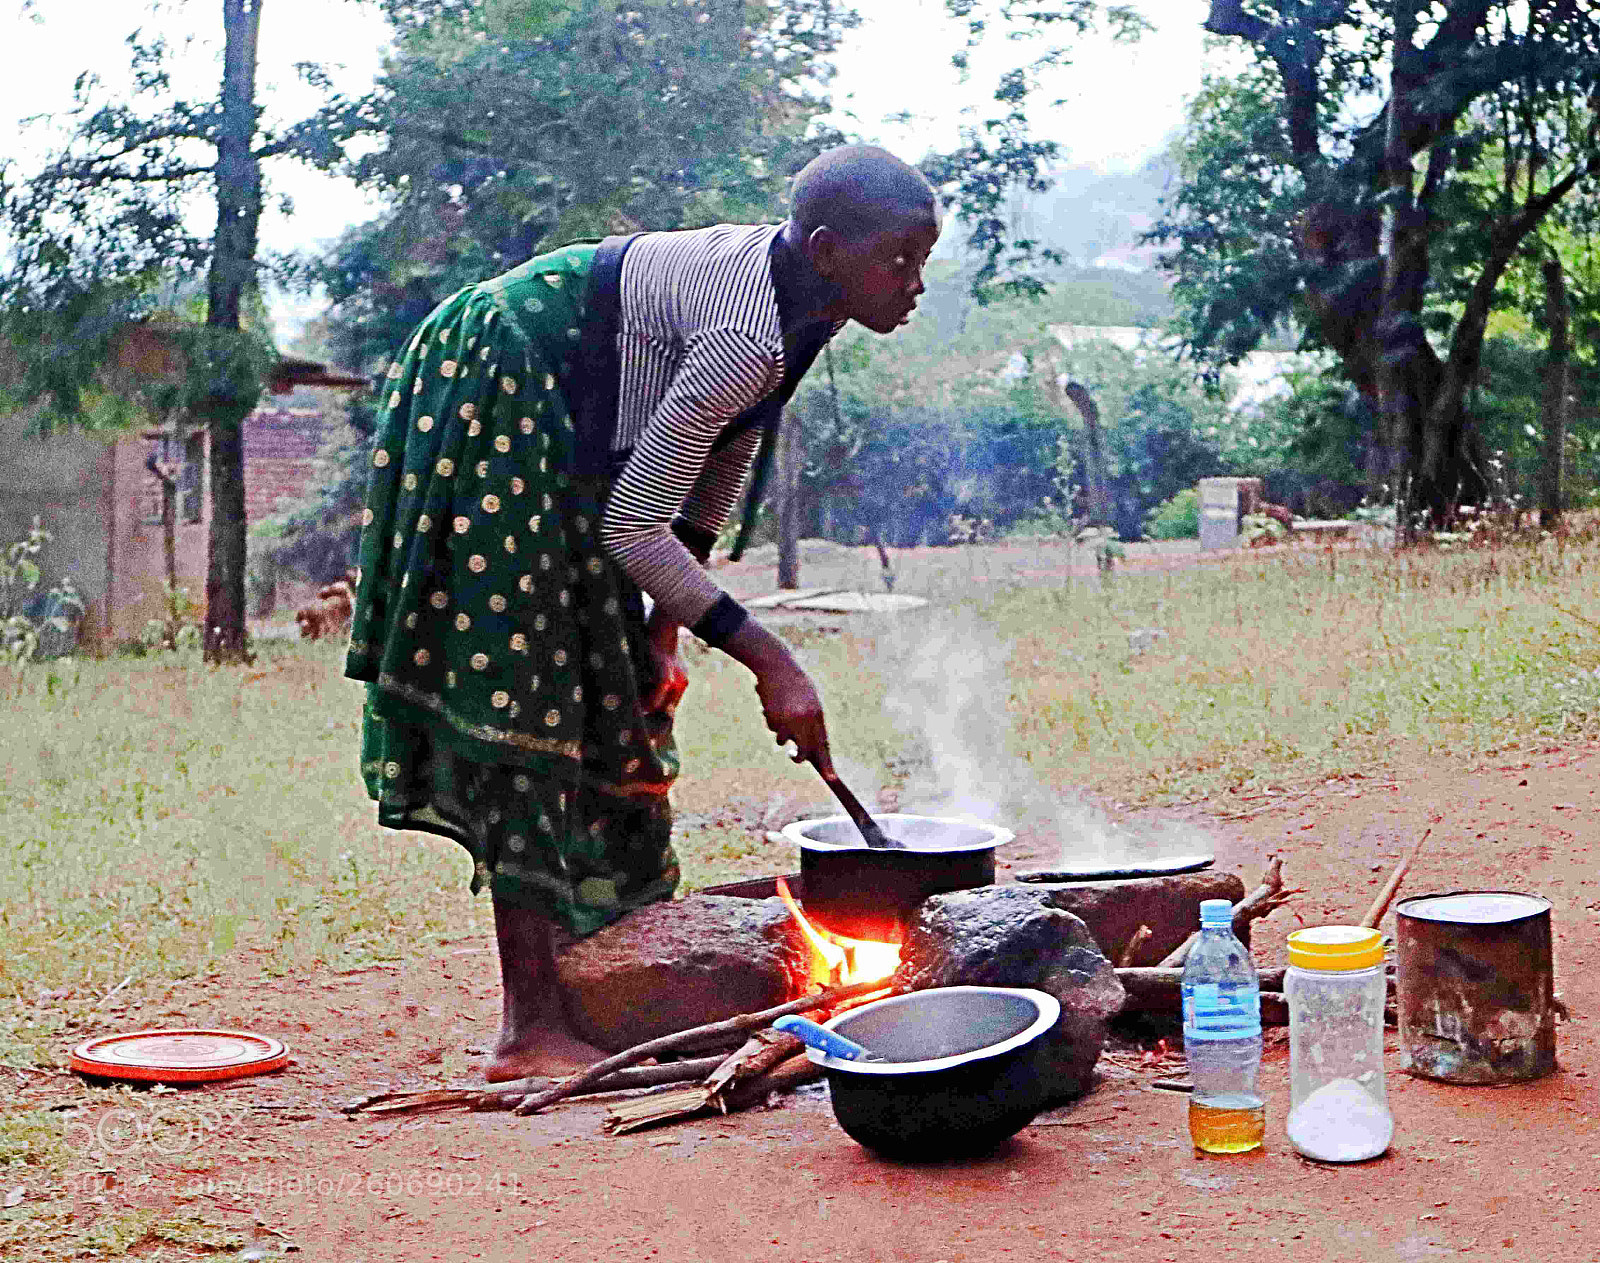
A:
{"x":1473,"y":1173}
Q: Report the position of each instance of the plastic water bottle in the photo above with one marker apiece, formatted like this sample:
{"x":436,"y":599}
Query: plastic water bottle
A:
{"x":1222,"y":1037}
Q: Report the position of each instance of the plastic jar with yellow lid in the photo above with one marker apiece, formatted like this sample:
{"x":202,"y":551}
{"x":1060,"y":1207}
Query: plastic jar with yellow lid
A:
{"x":1338,"y":1104}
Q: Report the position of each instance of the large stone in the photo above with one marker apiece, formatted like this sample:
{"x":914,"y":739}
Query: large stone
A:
{"x":1170,"y":906}
{"x":674,"y":965}
{"x":1014,"y":936}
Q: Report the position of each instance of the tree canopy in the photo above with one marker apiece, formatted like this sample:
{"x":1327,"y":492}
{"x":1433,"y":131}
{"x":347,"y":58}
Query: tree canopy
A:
{"x":1386,"y":233}
{"x":506,"y":127}
{"x":103,"y":235}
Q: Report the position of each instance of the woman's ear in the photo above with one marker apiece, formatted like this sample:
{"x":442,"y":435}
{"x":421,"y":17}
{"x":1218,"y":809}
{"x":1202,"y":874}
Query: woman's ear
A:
{"x":822,"y":248}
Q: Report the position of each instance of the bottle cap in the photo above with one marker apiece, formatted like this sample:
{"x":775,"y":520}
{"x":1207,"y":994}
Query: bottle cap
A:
{"x":1216,"y":912}
{"x":1334,"y":948}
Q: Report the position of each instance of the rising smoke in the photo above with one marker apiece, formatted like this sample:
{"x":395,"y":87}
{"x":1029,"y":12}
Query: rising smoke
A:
{"x":951,"y":695}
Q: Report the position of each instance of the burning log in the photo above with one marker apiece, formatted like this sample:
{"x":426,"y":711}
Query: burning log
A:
{"x":1265,"y":898}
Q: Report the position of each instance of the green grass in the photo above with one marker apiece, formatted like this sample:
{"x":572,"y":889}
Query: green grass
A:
{"x":49,"y":1234}
{"x":162,"y":820}
{"x":1300,"y":665}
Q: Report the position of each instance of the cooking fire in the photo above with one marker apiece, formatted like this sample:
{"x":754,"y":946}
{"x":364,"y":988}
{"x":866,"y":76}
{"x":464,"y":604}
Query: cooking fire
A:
{"x":836,"y":959}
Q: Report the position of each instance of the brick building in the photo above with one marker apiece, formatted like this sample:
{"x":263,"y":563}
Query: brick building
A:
{"x":97,"y":496}
{"x":281,"y":442}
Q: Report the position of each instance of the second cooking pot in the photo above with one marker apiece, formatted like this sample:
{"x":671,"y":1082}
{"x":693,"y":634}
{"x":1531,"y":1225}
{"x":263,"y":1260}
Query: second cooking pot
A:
{"x":860,"y":892}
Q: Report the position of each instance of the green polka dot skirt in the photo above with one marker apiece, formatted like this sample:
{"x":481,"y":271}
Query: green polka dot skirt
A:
{"x":503,"y":650}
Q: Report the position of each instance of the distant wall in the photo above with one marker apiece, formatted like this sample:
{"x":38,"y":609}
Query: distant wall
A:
{"x":280,"y":452}
{"x":138,"y":564}
{"x":64,"y":479}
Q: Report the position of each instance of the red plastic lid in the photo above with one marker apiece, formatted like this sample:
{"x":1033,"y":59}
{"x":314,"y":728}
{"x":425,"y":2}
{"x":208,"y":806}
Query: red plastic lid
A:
{"x":179,"y":1056}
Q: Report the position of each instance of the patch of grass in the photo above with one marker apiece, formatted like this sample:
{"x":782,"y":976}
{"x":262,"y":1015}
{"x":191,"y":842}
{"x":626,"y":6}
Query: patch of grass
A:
{"x":33,"y":1156}
{"x":161,"y":815}
{"x":1302,"y":665}
{"x":32,"y":1146}
{"x":149,"y":1235}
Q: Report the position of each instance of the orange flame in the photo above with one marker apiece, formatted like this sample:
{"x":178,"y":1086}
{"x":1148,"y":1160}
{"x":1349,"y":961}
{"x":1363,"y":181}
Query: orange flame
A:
{"x":837,"y":960}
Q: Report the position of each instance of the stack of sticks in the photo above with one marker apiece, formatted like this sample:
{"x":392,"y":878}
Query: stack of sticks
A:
{"x":767,"y":1062}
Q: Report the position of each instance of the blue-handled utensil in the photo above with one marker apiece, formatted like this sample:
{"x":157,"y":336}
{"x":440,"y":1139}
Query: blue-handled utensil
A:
{"x":823,"y":1040}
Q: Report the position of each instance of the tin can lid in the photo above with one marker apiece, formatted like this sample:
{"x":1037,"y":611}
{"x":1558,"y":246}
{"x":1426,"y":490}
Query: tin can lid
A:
{"x":1336,"y":948}
{"x":179,"y":1056}
{"x":1474,"y":907}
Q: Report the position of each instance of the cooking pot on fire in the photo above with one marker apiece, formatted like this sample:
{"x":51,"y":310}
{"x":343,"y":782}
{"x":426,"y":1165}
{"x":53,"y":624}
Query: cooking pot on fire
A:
{"x":869,"y":893}
{"x":960,"y":1071}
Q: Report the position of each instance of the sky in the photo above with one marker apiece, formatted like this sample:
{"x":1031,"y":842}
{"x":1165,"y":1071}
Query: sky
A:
{"x":1118,"y":102}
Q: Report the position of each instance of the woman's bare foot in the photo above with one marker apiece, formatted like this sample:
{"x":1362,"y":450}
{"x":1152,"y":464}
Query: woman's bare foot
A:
{"x":549,"y":1051}
{"x":535,"y":1038}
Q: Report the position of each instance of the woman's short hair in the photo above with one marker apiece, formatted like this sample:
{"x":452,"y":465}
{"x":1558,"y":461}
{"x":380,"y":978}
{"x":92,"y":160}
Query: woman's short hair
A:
{"x":854,"y":189}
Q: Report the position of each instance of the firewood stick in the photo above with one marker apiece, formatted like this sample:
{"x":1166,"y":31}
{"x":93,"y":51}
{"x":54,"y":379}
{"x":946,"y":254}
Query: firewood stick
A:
{"x":1161,"y":981}
{"x":1159,"y":990}
{"x":685,"y":1071}
{"x":1391,"y":888}
{"x":1263,"y":899}
{"x":1141,"y":936}
{"x":676,"y":1104}
{"x":498,"y":1096}
{"x":784,"y":1077}
{"x":761,"y":1052}
{"x":534,"y":1102}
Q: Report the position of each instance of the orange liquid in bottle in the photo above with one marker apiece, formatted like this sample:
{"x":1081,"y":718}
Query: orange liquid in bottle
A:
{"x":1223,"y":1124}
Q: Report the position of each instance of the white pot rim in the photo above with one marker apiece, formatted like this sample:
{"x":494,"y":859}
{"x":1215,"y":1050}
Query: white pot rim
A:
{"x":993,"y":835}
{"x":1049,"y":1011}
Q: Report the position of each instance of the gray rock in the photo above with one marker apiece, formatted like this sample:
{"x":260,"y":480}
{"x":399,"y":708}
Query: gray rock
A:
{"x":1013,"y":936}
{"x":1170,"y":906}
{"x":675,"y":965}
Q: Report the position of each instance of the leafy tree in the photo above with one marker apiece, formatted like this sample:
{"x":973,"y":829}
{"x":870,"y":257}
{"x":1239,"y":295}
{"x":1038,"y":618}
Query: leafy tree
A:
{"x":508,"y":127}
{"x":100,"y":233}
{"x":1381,"y":234}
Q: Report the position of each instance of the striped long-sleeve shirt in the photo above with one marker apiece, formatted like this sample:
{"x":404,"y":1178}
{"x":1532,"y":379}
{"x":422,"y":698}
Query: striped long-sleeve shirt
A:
{"x":699,"y":342}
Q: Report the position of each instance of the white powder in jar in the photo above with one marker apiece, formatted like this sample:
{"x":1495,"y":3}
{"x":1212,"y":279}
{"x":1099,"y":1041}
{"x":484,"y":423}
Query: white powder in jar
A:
{"x":1340,"y":1122}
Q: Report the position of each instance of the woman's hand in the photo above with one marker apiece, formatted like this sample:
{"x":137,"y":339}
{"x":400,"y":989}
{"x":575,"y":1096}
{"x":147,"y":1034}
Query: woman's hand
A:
{"x":793,"y":711}
{"x":789,"y":699}
{"x":661,"y":636}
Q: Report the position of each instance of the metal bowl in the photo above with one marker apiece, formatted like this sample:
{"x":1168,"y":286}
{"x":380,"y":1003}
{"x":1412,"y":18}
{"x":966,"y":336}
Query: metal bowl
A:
{"x":960,"y":1072}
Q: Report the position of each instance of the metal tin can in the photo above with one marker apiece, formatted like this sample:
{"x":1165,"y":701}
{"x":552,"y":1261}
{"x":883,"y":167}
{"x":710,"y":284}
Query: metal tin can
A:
{"x":1476,"y":986}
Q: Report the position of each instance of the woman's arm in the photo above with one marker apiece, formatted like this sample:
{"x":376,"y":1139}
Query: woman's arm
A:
{"x":723,"y":373}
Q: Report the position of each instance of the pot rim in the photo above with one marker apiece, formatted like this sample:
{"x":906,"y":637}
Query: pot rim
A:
{"x":997,"y":835}
{"x":1049,"y":1011}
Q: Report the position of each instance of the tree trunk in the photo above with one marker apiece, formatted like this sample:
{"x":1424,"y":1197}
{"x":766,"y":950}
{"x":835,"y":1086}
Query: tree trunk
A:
{"x":1399,"y":330}
{"x":233,"y":262}
{"x":1558,"y":316}
{"x":790,"y":462}
{"x":1095,"y":456}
